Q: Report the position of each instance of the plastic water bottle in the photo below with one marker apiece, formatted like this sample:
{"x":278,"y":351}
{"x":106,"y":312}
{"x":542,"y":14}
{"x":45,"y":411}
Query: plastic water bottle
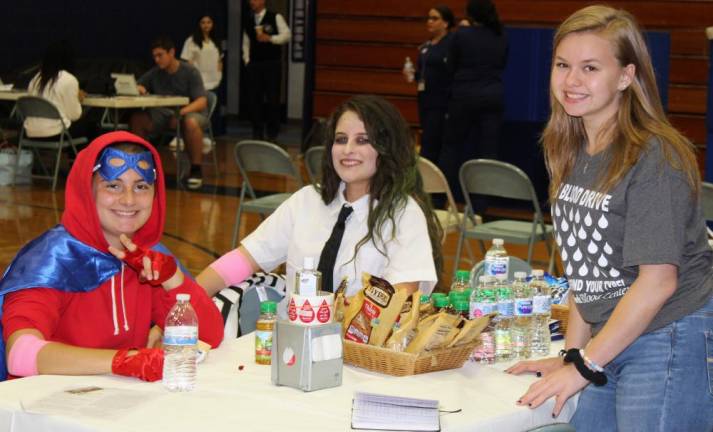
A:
{"x":540,"y":314}
{"x":496,"y":259}
{"x":503,"y":323}
{"x":522,"y":324}
{"x":180,"y":346}
{"x":308,"y":280}
{"x":460,"y":284}
{"x":483,"y":302}
{"x":409,"y":70}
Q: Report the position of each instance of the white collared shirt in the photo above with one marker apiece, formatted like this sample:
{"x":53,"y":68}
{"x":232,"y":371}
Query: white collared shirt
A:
{"x":302,"y":224}
{"x":282,"y":37}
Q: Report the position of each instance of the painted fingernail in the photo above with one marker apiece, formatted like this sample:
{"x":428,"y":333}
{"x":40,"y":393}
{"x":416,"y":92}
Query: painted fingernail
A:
{"x":529,"y":404}
{"x":519,"y":401}
{"x":538,"y":374}
{"x":553,"y":415}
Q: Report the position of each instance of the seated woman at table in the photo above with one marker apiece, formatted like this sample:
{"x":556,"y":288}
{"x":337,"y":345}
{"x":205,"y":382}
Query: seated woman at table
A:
{"x":55,"y":83}
{"x":80,"y":299}
{"x":625,"y":192}
{"x":372,"y":185}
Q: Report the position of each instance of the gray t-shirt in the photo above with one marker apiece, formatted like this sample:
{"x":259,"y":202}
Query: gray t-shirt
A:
{"x":186,"y":81}
{"x":649,"y":217}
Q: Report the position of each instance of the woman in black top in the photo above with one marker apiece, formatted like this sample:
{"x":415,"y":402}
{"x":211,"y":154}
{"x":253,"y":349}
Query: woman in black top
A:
{"x":477,"y":57}
{"x":434,"y":81}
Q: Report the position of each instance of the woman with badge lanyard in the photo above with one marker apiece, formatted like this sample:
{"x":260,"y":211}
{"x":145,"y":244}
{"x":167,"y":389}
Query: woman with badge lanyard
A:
{"x":371,"y":194}
{"x":434,"y":81}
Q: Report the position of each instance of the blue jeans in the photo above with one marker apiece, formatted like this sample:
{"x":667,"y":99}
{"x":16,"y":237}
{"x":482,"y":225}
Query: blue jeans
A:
{"x":662,"y":382}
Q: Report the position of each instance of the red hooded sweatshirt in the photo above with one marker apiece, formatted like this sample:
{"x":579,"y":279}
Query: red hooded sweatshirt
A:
{"x":120,"y":312}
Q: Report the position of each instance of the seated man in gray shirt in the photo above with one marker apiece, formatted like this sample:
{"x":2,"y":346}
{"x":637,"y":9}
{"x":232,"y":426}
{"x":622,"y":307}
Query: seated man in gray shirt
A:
{"x":173,"y":77}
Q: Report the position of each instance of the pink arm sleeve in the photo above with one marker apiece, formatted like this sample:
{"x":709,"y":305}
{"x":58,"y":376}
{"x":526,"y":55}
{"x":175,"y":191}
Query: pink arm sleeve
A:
{"x":232,"y":267}
{"x":22,"y":359}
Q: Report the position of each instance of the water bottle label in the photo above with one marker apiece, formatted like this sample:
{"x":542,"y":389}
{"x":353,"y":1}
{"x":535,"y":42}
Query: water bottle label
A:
{"x":506,"y":308}
{"x":478,"y":309}
{"x":494,"y":267}
{"x":541,"y":304}
{"x":523,"y":307}
{"x":308,"y":284}
{"x":180,"y":335}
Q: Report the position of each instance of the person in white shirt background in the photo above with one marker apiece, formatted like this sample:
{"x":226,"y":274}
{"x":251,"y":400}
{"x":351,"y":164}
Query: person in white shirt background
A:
{"x":55,"y":82}
{"x":202,"y":51}
{"x":264,"y":34}
{"x":370,"y":165}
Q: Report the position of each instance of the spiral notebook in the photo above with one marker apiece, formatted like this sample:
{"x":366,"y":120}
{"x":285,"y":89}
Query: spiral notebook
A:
{"x":381,"y":412}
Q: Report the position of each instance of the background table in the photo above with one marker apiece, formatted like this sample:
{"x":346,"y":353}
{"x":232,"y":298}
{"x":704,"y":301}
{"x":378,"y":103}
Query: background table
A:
{"x":116,"y":103}
{"x":227,"y":399}
{"x":12,"y":95}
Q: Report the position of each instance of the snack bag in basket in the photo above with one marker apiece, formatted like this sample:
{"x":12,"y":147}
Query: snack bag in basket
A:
{"x":470,"y":330}
{"x":402,"y":336}
{"x":434,"y":332}
{"x":373,"y":311}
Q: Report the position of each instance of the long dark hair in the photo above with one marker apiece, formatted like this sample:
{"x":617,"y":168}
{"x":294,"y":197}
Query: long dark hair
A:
{"x":198,"y":33}
{"x":397,"y":177}
{"x":483,"y":12}
{"x":58,"y":56}
{"x":446,"y":14}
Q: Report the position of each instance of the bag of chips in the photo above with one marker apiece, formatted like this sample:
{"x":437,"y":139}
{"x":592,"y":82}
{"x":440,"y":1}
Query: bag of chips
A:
{"x":405,"y":329}
{"x":373,"y":311}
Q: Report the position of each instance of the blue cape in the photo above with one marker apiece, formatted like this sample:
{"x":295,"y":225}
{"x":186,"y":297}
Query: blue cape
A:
{"x":57,"y":260}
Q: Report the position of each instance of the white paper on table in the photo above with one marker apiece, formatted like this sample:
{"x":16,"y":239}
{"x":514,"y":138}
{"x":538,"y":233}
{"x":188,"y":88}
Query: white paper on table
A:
{"x":5,"y":87}
{"x":98,"y":402}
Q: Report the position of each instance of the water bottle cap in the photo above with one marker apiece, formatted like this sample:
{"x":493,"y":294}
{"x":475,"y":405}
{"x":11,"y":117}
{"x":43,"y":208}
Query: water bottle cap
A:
{"x":520,"y":274}
{"x":456,"y":294}
{"x":538,"y":272}
{"x":425,"y":298}
{"x":440,"y":302}
{"x":183,"y":297}
{"x":438,"y":294}
{"x":462,"y":275}
{"x":498,"y":241}
{"x":268,"y":307}
{"x":308,"y":263}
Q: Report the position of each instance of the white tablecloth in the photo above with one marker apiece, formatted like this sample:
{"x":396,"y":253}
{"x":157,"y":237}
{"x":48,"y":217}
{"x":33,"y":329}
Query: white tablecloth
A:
{"x":228,"y":399}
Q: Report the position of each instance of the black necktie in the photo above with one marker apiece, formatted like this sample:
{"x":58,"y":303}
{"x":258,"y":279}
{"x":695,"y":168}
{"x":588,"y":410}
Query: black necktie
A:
{"x":331,"y":248}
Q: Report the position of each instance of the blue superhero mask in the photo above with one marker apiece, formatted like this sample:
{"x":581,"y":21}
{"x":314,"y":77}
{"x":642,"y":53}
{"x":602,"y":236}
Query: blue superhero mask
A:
{"x":113,"y":162}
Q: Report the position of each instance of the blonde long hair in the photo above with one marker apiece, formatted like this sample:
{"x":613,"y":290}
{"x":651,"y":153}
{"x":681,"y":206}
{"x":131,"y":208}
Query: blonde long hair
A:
{"x":640,"y":115}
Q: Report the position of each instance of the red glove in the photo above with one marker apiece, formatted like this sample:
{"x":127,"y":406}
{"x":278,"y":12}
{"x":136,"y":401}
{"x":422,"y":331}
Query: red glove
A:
{"x":147,"y":364}
{"x":164,"y":264}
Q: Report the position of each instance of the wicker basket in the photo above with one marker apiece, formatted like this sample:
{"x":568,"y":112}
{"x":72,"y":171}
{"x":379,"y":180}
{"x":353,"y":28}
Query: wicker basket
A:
{"x":561,"y":313}
{"x":390,"y":362}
